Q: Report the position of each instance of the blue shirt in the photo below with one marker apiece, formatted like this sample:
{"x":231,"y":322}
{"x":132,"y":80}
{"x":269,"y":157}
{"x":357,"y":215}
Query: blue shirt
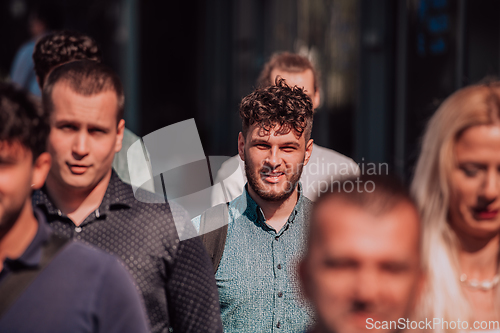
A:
{"x":23,"y":69}
{"x":256,"y":278}
{"x":82,"y":290}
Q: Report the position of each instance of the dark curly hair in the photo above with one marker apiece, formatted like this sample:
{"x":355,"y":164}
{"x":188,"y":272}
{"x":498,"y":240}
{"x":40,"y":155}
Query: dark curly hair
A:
{"x":287,"y":62}
{"x":22,"y":120}
{"x":86,"y":78}
{"x":61,"y":47}
{"x":280,"y":104}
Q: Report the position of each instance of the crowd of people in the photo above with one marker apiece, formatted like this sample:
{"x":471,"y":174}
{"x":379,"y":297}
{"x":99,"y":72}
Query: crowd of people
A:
{"x":277,"y":252}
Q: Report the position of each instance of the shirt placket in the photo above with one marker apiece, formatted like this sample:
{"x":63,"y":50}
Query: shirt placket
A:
{"x":77,"y":230}
{"x":279,"y":283}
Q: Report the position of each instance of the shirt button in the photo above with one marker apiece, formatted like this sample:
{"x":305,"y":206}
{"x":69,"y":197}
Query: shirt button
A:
{"x":278,"y":325}
{"x":78,"y":229}
{"x":280,"y":294}
{"x":59,"y":212}
{"x":279,"y":266}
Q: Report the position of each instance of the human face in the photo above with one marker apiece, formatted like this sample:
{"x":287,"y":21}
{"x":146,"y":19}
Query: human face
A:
{"x":304,"y":80}
{"x":475,"y":182}
{"x":84,"y":138}
{"x":273,"y":162}
{"x":18,"y":177}
{"x":361,"y":267}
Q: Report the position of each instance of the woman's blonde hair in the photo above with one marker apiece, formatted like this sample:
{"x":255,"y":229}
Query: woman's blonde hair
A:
{"x":471,"y":106}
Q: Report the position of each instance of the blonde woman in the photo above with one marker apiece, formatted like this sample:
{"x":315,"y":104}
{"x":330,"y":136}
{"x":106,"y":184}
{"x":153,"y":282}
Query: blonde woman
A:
{"x":457,"y":188}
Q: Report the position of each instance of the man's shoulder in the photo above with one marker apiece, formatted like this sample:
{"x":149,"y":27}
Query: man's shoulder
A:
{"x":329,"y":155}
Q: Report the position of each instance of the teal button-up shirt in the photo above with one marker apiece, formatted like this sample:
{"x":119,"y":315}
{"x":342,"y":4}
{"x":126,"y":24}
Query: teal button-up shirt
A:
{"x":257,"y":276}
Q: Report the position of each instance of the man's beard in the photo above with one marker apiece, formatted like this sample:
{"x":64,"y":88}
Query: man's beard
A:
{"x":255,"y":182}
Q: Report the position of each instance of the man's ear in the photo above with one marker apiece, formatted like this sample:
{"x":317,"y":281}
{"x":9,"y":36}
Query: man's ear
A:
{"x":41,"y":168}
{"x":119,"y":135}
{"x":241,"y":146}
{"x":316,"y":100}
{"x":309,"y":149}
{"x":38,"y":81}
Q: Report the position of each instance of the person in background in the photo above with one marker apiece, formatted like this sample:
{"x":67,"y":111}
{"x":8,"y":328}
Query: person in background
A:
{"x":42,"y":19}
{"x":457,"y":189}
{"x":83,"y":198}
{"x":64,"y":46}
{"x":48,"y":283}
{"x":325,"y":165}
{"x":362,"y":268}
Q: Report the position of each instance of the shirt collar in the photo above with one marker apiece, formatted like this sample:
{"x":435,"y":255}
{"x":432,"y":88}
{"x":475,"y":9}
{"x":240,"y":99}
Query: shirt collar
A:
{"x":33,"y":253}
{"x":117,"y":195}
{"x":254,"y":212}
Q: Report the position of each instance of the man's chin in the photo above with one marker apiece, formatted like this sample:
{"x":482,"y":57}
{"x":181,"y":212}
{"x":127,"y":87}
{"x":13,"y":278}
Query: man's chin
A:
{"x":274,"y":194}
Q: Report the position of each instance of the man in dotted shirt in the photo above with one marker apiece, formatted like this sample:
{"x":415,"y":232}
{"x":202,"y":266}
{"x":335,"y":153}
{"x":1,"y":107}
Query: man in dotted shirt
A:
{"x":83,"y":198}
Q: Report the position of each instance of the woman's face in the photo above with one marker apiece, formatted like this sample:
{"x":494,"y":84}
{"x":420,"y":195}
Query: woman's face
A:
{"x":475,"y":182}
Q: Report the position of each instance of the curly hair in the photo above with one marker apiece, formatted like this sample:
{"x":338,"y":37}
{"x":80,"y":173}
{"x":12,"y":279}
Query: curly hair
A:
{"x":287,"y":62}
{"x":61,"y":47}
{"x":288,"y":107}
{"x":23,"y":121}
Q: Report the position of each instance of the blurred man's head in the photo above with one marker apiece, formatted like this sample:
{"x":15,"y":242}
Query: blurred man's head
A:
{"x":362,"y":263}
{"x":24,"y":164}
{"x":296,"y":70}
{"x":61,"y":47}
{"x":275,"y":139}
{"x":86,"y":102}
{"x":44,"y":17}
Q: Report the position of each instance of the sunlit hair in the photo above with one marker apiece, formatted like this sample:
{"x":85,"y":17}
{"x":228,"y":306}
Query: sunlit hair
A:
{"x":86,"y":78}
{"x":278,"y":105}
{"x":471,"y":106}
{"x":287,"y":62}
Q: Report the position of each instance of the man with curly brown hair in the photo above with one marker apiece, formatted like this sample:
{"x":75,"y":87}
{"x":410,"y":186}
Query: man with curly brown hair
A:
{"x":325,"y":165}
{"x":256,"y":273}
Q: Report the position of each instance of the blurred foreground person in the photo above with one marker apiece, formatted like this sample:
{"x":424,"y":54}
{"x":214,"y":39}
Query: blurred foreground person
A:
{"x":85,"y":199}
{"x":324,"y":164}
{"x":362,"y":270}
{"x":457,"y":188}
{"x":263,"y":229}
{"x":64,"y":46}
{"x":48,"y":283}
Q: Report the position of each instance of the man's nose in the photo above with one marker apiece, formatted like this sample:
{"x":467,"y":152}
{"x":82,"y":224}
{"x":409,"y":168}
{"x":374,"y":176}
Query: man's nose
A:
{"x":274,"y":158}
{"x":80,"y":145}
{"x":367,"y":287}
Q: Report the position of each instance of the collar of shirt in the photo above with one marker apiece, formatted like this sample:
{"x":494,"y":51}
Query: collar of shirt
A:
{"x":254,"y":213}
{"x":33,"y":254}
{"x":118,"y":195}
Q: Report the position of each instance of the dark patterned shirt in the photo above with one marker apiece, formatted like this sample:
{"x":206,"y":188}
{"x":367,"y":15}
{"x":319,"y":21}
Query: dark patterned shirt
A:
{"x":175,"y":278}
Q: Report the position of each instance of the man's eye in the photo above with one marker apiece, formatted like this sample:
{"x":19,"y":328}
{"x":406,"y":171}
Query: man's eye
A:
{"x":339,"y":264}
{"x":288,"y":149}
{"x":96,"y":130}
{"x":262,"y":146}
{"x":68,"y":127}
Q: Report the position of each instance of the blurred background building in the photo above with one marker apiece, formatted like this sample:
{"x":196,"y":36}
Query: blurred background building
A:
{"x":385,"y":64}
